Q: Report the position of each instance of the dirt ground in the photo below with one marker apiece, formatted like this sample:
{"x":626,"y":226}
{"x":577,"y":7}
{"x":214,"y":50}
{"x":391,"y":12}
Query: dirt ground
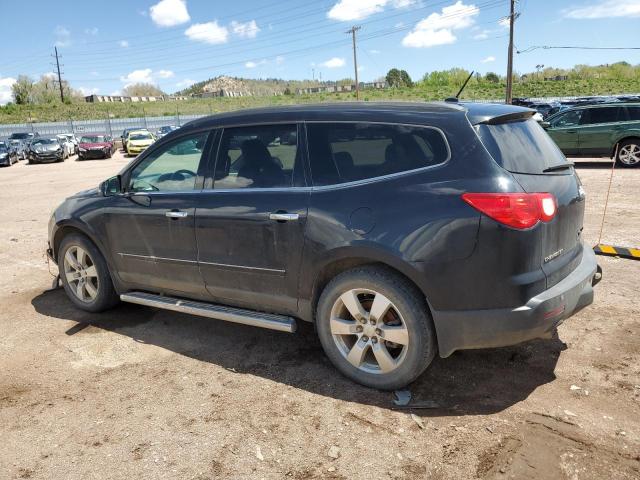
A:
{"x":143,"y":393}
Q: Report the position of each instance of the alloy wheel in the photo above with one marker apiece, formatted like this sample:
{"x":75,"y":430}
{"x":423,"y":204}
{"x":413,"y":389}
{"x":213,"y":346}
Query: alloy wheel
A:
{"x":629,"y":154}
{"x":81,"y":274}
{"x":369,"y":331}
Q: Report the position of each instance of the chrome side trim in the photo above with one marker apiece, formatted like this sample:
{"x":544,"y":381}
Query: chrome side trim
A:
{"x":153,"y":258}
{"x":280,"y":323}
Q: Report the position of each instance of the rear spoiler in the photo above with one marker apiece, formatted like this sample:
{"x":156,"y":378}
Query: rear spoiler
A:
{"x":509,"y":117}
{"x":493,"y":113}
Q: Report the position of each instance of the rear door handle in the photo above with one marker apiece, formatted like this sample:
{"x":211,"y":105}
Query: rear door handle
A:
{"x":176,"y":214}
{"x":284,"y":217}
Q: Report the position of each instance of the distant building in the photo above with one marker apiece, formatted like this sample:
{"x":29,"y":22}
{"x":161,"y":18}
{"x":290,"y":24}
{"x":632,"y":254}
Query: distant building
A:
{"x":122,"y":98}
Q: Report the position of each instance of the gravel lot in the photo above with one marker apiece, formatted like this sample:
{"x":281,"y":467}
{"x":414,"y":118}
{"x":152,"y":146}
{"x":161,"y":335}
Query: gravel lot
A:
{"x":143,"y":393}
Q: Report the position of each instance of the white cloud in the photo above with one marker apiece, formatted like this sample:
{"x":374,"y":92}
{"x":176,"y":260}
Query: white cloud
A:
{"x":164,"y":74}
{"x":334,"y":62}
{"x":209,"y":32}
{"x":91,"y":31}
{"x":605,"y":9}
{"x":63,"y":36}
{"x":504,"y":22}
{"x":489,"y":59}
{"x":138,"y":76}
{"x":49,"y":75}
{"x":279,"y":60}
{"x":5,"y":90}
{"x":437,"y":28}
{"x":346,"y":10}
{"x":187,"y":82}
{"x":94,"y":73}
{"x":116,"y":93}
{"x":123,"y":43}
{"x":86,"y":91}
{"x":374,"y":52}
{"x":245,"y":30}
{"x":168,"y":13}
{"x":483,"y":35}
{"x":255,"y":64}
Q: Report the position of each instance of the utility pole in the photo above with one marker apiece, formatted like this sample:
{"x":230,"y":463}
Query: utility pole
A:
{"x":59,"y":75}
{"x":512,"y":19}
{"x":353,"y":31}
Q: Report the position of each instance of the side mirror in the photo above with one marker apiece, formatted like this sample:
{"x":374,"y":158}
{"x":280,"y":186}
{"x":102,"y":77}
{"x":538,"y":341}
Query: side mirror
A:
{"x":111,"y":186}
{"x":545,"y":125}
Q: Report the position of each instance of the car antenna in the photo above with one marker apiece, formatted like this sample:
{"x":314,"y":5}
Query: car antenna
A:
{"x":455,"y":99}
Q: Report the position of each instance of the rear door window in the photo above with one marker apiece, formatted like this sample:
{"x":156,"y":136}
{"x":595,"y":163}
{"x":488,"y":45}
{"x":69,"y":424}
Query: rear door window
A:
{"x":634,"y":113}
{"x":347,"y":152}
{"x":601,"y":115}
{"x":521,"y":147}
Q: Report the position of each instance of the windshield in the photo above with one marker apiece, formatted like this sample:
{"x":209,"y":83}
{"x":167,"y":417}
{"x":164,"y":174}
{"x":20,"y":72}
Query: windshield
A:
{"x":92,"y":139}
{"x":521,"y":147}
{"x":140,"y":136}
{"x":166,"y":129}
{"x":3,"y":147}
{"x":45,"y":141}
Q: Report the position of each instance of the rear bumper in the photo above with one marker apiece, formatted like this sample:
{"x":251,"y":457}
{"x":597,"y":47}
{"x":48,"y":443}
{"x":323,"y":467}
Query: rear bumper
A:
{"x":88,"y":154}
{"x":538,"y":318}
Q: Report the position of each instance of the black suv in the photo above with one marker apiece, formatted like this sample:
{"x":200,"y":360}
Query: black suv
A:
{"x":400,"y":229}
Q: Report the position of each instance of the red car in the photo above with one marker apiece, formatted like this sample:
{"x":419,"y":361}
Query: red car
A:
{"x":95,"y":145}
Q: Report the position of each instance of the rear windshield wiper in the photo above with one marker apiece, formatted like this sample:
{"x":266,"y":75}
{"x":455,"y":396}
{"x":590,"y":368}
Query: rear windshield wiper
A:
{"x":560,"y":166}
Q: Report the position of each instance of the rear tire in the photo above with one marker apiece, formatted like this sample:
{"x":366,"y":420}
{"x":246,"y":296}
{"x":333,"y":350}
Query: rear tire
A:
{"x":629,"y":153}
{"x":85,"y":274}
{"x":387,"y":349}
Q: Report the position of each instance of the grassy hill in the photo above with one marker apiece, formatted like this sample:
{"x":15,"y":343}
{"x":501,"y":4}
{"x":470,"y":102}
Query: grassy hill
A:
{"x":581,"y":80}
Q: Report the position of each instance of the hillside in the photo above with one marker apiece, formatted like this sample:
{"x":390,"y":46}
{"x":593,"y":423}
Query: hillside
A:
{"x":619,"y":78}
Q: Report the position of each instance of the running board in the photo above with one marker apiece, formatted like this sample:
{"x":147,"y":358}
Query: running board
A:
{"x":228,"y":314}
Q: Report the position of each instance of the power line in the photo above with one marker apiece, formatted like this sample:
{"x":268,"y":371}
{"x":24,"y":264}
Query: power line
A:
{"x":569,"y":47}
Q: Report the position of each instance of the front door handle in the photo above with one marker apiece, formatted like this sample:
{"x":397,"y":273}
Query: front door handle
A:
{"x":284,"y":217}
{"x":176,"y":214}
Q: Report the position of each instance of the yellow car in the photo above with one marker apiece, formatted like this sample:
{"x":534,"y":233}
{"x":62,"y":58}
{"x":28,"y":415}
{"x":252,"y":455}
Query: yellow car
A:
{"x":138,"y":141}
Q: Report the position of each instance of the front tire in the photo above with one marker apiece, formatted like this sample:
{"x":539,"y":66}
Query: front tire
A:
{"x":375,"y":328}
{"x":85,"y":275}
{"x":629,"y":153}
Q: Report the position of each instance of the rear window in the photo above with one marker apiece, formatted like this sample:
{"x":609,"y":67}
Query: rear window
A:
{"x":347,"y":152}
{"x":521,"y":147}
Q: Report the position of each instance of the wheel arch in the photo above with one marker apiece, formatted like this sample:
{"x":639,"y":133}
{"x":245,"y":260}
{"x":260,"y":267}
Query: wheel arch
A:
{"x":340,"y":260}
{"x":616,"y":145}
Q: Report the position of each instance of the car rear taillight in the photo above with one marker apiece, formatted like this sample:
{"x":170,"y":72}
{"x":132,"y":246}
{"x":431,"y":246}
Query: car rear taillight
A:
{"x":517,"y":210}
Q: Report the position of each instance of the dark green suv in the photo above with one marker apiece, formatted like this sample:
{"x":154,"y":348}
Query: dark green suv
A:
{"x":611,"y":130}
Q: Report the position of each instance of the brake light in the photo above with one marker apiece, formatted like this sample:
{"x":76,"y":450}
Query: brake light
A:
{"x":517,"y":210}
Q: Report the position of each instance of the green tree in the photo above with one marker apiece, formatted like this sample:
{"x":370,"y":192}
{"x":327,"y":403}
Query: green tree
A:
{"x":142,"y":90}
{"x":22,"y":90}
{"x":492,"y":77}
{"x":398,"y":78}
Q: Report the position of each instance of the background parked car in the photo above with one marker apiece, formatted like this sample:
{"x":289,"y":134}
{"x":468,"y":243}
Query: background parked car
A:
{"x":95,"y":145}
{"x":46,"y":149}
{"x":7,"y":156}
{"x":124,"y":135}
{"x":72,"y":138}
{"x":69,"y":148}
{"x":599,"y":131}
{"x":162,"y":131}
{"x":19,"y":147}
{"x":138,"y":141}
{"x":25,"y":137}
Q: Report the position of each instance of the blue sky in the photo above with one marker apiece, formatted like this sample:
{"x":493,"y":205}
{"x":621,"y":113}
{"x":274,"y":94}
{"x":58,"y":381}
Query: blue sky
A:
{"x":106,"y":45}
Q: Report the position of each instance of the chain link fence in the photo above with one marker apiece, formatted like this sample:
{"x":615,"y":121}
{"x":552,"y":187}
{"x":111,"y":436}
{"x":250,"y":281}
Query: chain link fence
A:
{"x":110,"y":126}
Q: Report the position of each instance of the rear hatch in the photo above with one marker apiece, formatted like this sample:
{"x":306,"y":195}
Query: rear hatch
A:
{"x":523,"y":148}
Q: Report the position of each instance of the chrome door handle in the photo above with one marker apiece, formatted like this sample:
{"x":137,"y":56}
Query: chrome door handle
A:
{"x":284,"y":217}
{"x":176,"y":214}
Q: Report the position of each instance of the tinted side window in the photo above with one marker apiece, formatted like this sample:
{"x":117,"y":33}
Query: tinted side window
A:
{"x":262,"y":156}
{"x":601,"y":115}
{"x":173,"y":167}
{"x":634,"y":113}
{"x":569,"y":119}
{"x":347,"y":152}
